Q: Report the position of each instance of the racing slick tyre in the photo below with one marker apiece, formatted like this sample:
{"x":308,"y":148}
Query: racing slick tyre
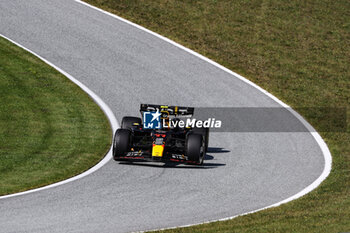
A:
{"x":121,"y":143}
{"x":128,"y":122}
{"x":205,"y":133}
{"x":195,"y":148}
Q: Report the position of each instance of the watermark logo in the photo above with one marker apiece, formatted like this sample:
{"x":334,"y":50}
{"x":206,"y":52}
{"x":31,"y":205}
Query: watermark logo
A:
{"x":193,"y":123}
{"x":151,"y":120}
{"x":248,"y":119}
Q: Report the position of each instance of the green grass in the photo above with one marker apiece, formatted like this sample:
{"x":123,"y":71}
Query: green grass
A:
{"x":297,"y":50}
{"x":50,"y":129}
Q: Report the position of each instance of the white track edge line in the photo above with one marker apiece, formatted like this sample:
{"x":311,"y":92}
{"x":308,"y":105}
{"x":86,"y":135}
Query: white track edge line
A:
{"x":107,"y":111}
{"x":317,"y":137}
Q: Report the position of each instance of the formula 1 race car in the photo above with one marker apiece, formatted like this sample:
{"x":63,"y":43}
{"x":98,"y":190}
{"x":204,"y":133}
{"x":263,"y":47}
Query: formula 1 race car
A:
{"x":170,"y":135}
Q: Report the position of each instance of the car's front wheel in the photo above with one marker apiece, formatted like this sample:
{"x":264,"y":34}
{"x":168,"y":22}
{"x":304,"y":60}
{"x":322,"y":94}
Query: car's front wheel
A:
{"x":195,"y":148}
{"x":121,"y":143}
{"x":205,"y":133}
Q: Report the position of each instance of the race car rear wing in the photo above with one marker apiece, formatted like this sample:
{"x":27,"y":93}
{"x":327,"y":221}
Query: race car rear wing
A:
{"x":170,"y":110}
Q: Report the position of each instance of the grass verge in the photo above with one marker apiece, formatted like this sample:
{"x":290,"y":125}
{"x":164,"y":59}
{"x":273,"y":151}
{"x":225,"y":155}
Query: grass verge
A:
{"x":50,"y":129}
{"x":298,"y":51}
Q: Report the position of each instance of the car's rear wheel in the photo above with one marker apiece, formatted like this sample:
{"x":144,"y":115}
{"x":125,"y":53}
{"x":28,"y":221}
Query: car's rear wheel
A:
{"x":128,"y":122}
{"x":195,"y":148}
{"x":121,"y":143}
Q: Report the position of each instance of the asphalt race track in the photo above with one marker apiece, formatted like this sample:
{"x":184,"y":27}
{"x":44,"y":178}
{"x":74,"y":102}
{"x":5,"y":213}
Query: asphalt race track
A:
{"x":126,"y":66}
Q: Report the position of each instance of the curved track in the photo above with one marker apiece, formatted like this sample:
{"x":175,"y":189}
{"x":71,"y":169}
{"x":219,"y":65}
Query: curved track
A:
{"x":124,"y":65}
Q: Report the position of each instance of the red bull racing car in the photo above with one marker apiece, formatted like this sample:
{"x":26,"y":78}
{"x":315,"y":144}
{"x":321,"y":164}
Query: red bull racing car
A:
{"x":164,"y":134}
